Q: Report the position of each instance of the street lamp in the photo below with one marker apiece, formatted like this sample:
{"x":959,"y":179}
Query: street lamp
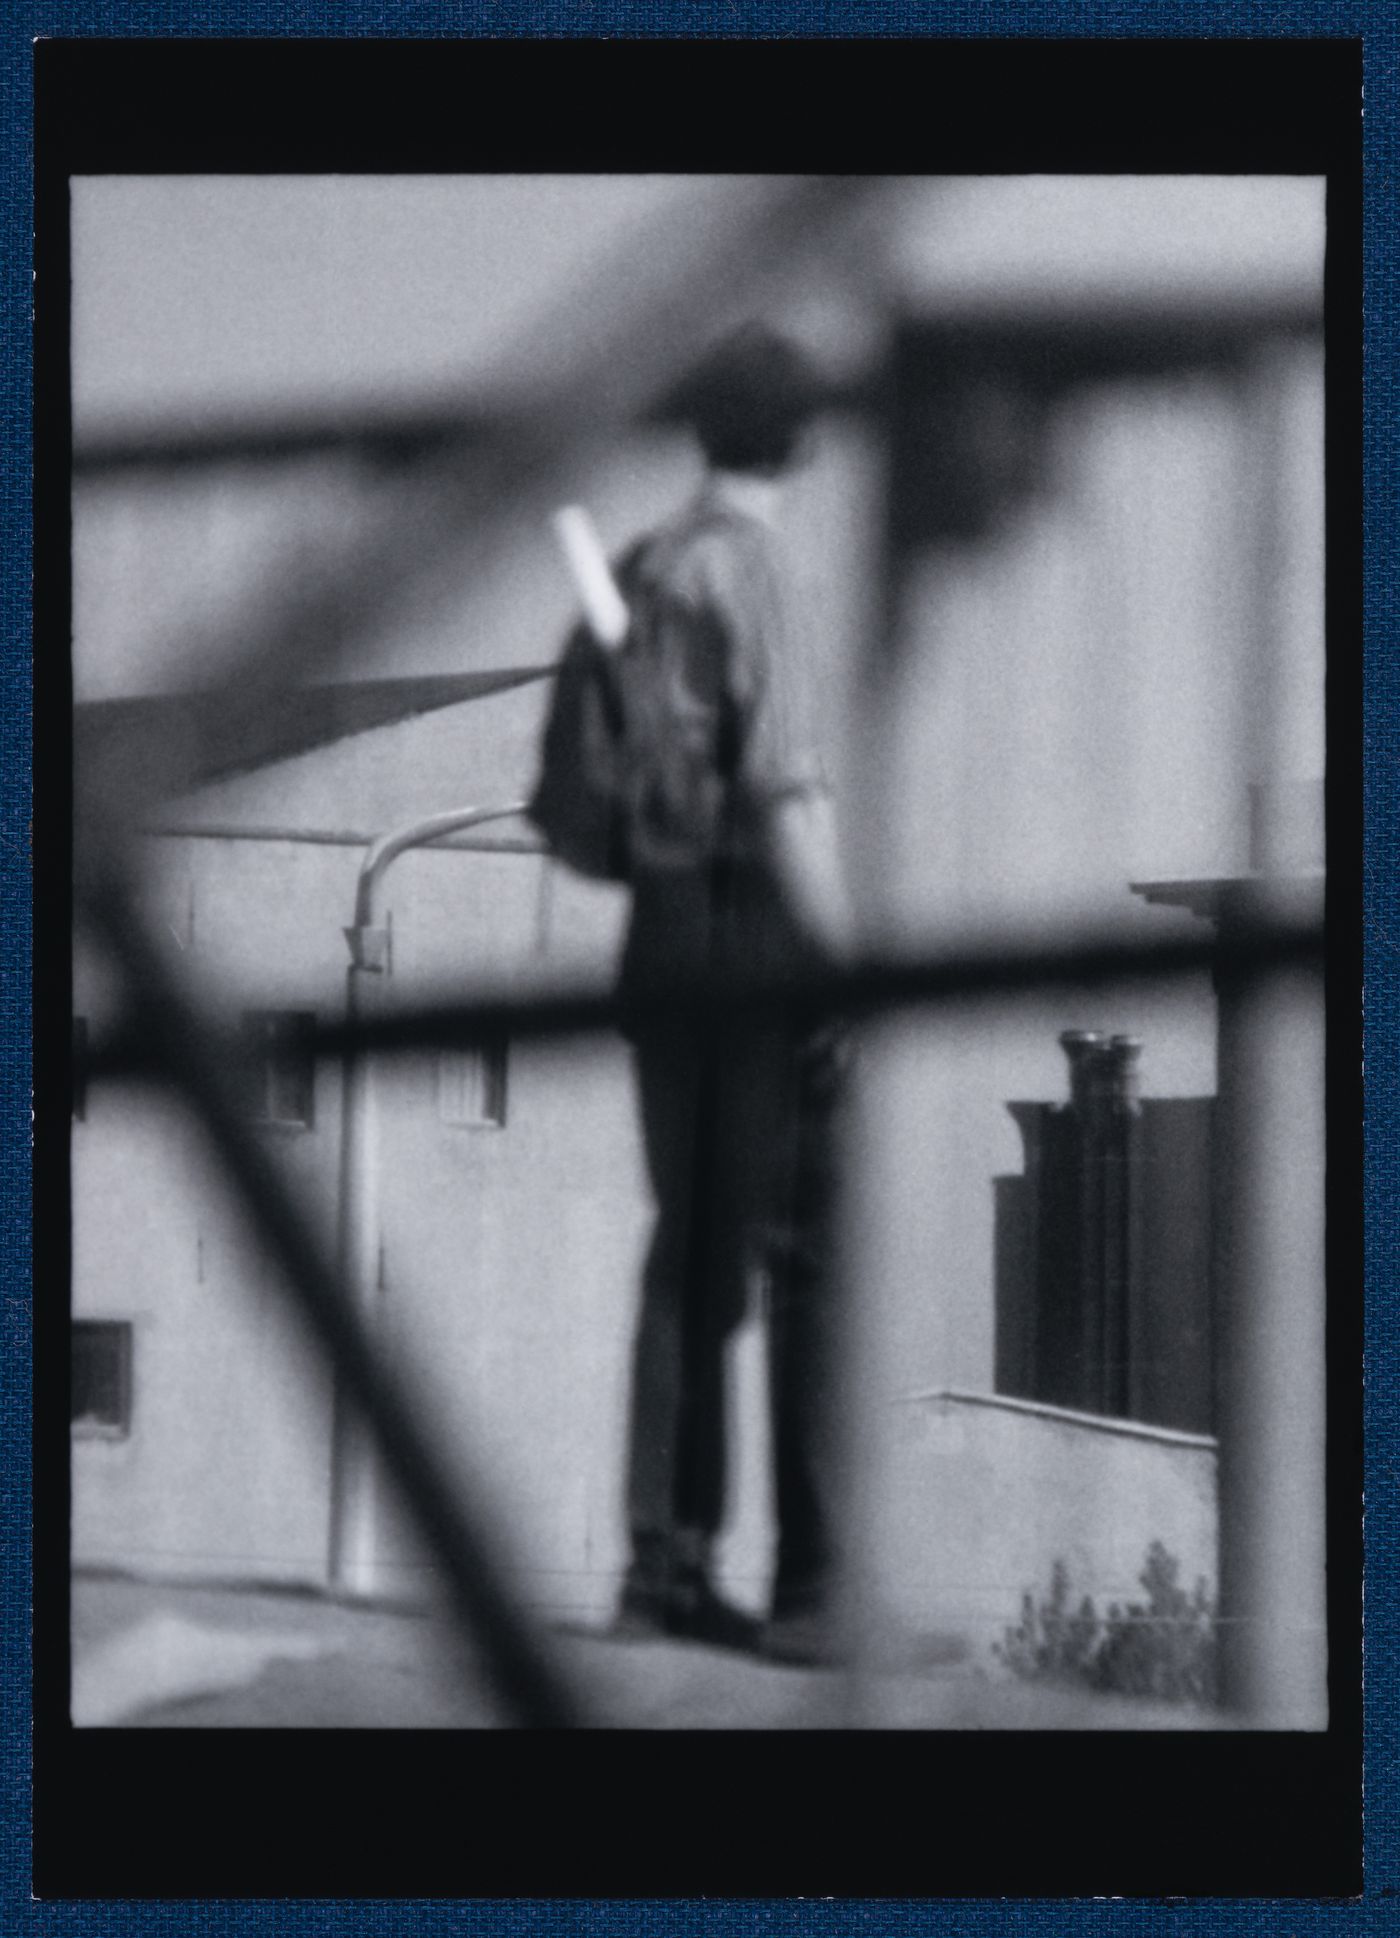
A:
{"x":354,"y":1475}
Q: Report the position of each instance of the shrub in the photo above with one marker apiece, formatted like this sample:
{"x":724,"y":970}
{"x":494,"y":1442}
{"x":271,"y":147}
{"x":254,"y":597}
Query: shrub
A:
{"x":1163,"y":1649}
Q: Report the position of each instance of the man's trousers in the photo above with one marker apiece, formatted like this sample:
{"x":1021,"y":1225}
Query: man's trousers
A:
{"x":738,"y":1130}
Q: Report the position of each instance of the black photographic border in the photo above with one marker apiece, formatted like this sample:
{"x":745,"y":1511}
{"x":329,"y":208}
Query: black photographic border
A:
{"x":183,"y":1815}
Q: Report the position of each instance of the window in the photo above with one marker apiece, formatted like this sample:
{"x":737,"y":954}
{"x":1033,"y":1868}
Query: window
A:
{"x":472,"y":1085}
{"x":101,"y":1377}
{"x":78,"y":1069}
{"x":280,"y":1067}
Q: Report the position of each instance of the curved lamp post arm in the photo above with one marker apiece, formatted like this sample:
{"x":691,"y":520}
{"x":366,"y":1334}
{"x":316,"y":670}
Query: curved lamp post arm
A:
{"x":365,"y":936}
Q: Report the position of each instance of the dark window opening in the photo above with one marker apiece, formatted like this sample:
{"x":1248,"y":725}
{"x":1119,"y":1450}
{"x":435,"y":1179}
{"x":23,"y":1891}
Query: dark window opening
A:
{"x":280,"y":1066}
{"x":101,"y":1376}
{"x":472,"y":1084}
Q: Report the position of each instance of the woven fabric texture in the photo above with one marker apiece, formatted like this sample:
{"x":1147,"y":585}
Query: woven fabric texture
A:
{"x":1376,"y":23}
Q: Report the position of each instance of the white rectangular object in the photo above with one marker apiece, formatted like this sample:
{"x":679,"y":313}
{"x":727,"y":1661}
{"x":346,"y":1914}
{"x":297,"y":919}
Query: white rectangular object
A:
{"x":603,"y":605}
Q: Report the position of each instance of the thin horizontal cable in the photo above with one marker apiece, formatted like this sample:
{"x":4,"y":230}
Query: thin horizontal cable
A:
{"x":338,"y":837}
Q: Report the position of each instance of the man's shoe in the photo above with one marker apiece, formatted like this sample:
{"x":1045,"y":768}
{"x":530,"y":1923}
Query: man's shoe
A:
{"x":698,"y":1614}
{"x":685,"y":1611}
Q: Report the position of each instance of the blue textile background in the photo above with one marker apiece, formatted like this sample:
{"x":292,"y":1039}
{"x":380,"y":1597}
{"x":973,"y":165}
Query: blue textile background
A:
{"x":1377,"y":22}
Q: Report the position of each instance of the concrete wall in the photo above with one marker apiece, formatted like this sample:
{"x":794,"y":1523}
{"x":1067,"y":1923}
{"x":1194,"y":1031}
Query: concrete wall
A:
{"x":225,"y":1469}
{"x":978,"y":1498}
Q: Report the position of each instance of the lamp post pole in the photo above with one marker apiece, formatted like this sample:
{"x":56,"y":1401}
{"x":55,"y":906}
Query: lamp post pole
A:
{"x":354,"y":1515}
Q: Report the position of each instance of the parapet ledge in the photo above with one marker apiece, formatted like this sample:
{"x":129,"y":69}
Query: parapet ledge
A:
{"x":1067,"y":1416}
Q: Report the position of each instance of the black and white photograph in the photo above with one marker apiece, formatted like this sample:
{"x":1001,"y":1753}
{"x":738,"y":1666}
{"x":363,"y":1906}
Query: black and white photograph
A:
{"x":700,"y":1071}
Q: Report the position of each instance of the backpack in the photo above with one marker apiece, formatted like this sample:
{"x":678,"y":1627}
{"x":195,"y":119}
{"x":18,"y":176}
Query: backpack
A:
{"x":640,"y":744}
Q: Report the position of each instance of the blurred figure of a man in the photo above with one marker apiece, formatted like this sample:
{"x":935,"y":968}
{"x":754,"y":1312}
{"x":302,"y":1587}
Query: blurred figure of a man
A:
{"x":737,"y":1123}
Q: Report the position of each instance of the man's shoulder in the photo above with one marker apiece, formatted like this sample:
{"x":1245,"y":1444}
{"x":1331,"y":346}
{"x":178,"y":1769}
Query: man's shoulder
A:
{"x":703,"y":551}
